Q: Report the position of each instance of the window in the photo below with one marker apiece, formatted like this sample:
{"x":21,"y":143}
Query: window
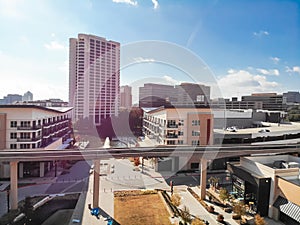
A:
{"x":25,"y":123}
{"x":24,"y":146}
{"x":181,"y":123}
{"x":13,"y":146}
{"x":195,"y":142}
{"x":13,"y":135}
{"x":13,"y":123}
{"x":180,"y":142}
{"x":195,"y":133}
{"x":24,"y":135}
{"x":180,"y":133}
{"x":195,"y":122}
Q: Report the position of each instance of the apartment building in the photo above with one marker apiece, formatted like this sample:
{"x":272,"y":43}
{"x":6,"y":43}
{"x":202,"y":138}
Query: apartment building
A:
{"x":31,"y":127}
{"x":172,"y":126}
{"x":94,"y":77}
{"x":179,"y":126}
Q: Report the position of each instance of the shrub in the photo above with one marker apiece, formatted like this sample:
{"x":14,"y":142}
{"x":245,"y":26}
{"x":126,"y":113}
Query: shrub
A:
{"x":220,"y":218}
{"x":236,"y":216}
{"x":224,"y":195}
{"x":176,"y":200}
{"x":211,"y":209}
{"x":197,"y":221}
{"x":258,"y":220}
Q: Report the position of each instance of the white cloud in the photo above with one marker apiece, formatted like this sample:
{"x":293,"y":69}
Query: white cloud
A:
{"x":130,"y":2}
{"x":142,"y":60}
{"x":155,"y":4}
{"x":275,"y":59}
{"x":170,"y":80}
{"x":242,"y":82}
{"x":43,"y":80}
{"x":294,"y":69}
{"x":268,"y":72}
{"x":261,"y":33}
{"x":54,"y":45}
{"x":11,"y":8}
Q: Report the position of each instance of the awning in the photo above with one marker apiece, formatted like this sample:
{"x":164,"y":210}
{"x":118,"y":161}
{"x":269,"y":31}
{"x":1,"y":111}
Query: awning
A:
{"x":290,"y":209}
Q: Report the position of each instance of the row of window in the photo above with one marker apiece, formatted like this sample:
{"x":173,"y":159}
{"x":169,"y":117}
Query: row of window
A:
{"x":24,"y":146}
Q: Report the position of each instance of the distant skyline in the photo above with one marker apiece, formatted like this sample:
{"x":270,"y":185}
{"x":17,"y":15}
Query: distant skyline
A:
{"x":250,"y":46}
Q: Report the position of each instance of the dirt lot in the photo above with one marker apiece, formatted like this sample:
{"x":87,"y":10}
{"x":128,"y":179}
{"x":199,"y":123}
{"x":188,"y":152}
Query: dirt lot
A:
{"x":137,"y":207}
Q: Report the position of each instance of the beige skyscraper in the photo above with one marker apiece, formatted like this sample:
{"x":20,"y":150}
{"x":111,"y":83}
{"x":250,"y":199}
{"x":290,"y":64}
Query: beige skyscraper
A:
{"x":94,"y":77}
{"x":126,"y":97}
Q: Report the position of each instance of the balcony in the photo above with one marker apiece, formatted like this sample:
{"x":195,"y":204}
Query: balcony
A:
{"x":29,"y":139}
{"x":172,"y":126}
{"x":36,"y":127}
{"x":171,"y":136}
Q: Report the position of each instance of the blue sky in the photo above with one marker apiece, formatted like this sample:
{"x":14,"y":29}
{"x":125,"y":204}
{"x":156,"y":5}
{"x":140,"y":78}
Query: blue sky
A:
{"x":249,"y":46}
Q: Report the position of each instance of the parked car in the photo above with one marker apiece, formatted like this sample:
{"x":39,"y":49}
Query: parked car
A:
{"x":264,"y":131}
{"x":231,"y":129}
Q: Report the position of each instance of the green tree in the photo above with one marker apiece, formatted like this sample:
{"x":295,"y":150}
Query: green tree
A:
{"x":224,"y":195}
{"x":239,"y":209}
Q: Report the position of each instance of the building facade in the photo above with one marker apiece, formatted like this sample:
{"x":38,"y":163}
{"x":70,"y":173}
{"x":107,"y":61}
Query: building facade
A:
{"x":269,"y":101}
{"x":292,"y":96}
{"x":125,"y":97}
{"x":94,"y":77}
{"x":179,"y":126}
{"x":28,"y":96}
{"x":185,"y":94}
{"x":31,"y":127}
{"x":270,"y":185}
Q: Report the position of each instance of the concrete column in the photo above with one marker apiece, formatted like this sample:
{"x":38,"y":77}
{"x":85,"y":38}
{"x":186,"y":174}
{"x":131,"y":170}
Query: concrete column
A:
{"x":42,"y":169}
{"x":173,"y":164}
{"x":14,"y":185}
{"x":203,"y":165}
{"x":21,"y":171}
{"x":96,"y":183}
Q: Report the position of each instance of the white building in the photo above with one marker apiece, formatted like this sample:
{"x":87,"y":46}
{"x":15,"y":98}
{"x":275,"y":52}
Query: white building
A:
{"x":31,"y":127}
{"x":94,"y":77}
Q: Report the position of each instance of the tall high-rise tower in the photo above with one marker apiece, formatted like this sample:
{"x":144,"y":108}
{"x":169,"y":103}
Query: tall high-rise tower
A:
{"x":94,"y":77}
{"x":125,"y":97}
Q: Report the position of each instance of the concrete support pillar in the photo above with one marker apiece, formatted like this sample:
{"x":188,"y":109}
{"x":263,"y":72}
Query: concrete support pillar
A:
{"x":96,"y":183}
{"x":14,"y":185}
{"x":21,"y":170}
{"x":173,"y":164}
{"x":42,"y":169}
{"x":203,"y":165}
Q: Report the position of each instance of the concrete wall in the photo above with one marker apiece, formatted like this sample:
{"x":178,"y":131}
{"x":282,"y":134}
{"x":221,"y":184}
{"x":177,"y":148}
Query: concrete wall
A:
{"x":2,"y":131}
{"x":289,"y":190}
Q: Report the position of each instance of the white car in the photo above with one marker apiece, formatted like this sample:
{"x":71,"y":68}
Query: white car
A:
{"x":231,"y":129}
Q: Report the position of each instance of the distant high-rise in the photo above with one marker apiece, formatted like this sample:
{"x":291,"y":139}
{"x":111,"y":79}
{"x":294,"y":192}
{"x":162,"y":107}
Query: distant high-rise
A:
{"x":94,"y":77}
{"x":125,"y":97}
{"x":28,"y":96}
{"x":10,"y":99}
{"x":185,"y":94}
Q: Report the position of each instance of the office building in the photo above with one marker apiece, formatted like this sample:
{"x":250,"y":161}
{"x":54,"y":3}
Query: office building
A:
{"x":10,"y":99}
{"x":292,"y":96}
{"x":28,"y":96}
{"x":52,"y":102}
{"x":156,"y":95}
{"x":185,"y":94}
{"x":94,"y":77}
{"x":269,"y":101}
{"x":31,"y":127}
{"x":125,"y":97}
